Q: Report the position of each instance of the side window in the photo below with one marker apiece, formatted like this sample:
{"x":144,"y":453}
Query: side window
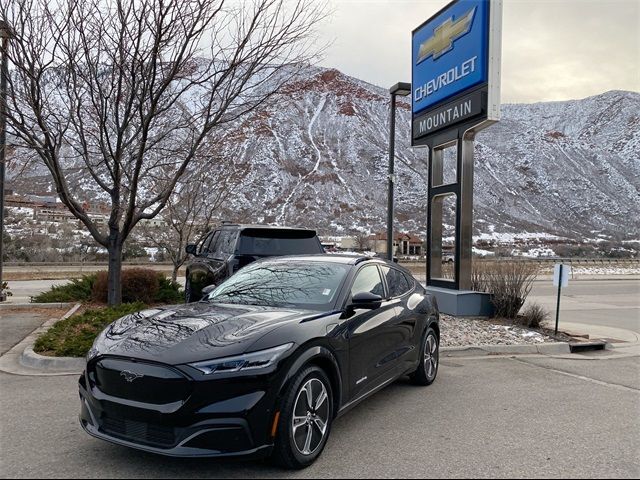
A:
{"x":217,"y":242}
{"x":368,"y":280}
{"x":410,"y":280}
{"x":204,"y":246}
{"x":397,"y":282}
{"x":209,"y":248}
{"x":228,"y":242}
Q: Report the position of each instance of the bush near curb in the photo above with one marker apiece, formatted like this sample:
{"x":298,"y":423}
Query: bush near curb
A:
{"x":74,"y":336}
{"x":78,"y":290}
{"x":533,"y":316}
{"x":138,"y":285}
{"x":508,"y":283}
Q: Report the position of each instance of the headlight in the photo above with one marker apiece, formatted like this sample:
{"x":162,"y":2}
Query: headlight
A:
{"x":242,"y":363}
{"x":93,"y":353}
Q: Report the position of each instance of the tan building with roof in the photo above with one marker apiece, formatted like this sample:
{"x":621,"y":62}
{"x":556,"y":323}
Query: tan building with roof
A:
{"x":403,"y":243}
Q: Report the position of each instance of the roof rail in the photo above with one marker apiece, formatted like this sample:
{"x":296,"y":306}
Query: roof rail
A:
{"x":363,"y":259}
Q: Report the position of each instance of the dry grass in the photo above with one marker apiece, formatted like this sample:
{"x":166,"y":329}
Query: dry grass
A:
{"x":41,"y":312}
{"x":63,"y":272}
{"x":533,"y":316}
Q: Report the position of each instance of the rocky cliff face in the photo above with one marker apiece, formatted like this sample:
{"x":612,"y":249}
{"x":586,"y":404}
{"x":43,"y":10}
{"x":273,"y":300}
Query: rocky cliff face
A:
{"x":319,"y":158}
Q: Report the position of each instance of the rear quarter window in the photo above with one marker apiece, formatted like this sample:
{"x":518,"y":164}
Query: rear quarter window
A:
{"x":397,"y":282}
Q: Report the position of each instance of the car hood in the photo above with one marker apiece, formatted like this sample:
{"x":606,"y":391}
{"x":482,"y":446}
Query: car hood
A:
{"x":193,"y":332}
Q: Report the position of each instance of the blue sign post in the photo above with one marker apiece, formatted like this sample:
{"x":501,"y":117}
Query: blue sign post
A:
{"x":455,"y":93}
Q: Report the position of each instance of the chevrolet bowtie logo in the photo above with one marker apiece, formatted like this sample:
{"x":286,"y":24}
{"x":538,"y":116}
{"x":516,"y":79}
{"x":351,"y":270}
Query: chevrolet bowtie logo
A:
{"x":444,"y":35}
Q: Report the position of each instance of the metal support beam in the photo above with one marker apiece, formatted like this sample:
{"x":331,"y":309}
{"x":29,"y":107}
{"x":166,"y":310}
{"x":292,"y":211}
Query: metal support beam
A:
{"x":434,"y":243}
{"x":465,"y":244}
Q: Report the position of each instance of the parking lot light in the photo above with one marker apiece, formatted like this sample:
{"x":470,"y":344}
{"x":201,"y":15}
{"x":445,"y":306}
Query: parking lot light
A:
{"x":403,"y":89}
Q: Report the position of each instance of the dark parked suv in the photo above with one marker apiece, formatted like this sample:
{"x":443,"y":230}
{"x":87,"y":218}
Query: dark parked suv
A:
{"x":230,"y":247}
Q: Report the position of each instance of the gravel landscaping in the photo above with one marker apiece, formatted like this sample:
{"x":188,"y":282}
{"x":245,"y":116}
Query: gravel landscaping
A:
{"x":461,"y":332}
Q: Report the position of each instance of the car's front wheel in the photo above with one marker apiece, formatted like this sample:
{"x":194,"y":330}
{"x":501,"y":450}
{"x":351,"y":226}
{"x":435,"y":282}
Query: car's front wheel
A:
{"x":305,"y":419}
{"x":427,"y":369}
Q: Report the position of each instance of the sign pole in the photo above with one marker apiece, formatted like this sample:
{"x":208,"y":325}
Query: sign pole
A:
{"x":558,"y":304}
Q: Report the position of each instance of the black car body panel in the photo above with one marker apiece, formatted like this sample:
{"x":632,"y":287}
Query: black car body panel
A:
{"x":230,"y":247}
{"x":141,"y":390}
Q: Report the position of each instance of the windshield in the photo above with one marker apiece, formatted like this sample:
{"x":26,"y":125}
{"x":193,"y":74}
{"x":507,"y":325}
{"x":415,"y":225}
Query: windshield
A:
{"x":311,"y":285}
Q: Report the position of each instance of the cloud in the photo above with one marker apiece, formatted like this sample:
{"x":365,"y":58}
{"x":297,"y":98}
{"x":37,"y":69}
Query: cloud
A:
{"x":552,"y":49}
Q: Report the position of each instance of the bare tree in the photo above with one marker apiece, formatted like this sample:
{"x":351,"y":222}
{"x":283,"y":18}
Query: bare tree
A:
{"x":362,"y":241}
{"x":117,"y":97}
{"x":194,"y":205}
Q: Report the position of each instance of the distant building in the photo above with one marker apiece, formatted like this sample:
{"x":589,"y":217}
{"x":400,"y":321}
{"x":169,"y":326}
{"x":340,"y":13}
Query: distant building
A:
{"x":52,"y":214}
{"x":403,"y":244}
{"x":154,"y":222}
{"x":337,"y":243}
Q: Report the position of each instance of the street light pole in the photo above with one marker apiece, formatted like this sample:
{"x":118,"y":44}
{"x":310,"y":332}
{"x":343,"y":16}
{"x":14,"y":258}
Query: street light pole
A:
{"x":402,"y":89}
{"x":5,"y":34}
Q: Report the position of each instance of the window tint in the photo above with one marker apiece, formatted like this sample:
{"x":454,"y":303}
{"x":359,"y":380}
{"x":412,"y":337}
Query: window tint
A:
{"x":224,"y":243}
{"x":410,"y":280}
{"x":274,"y":242}
{"x":228,"y":242}
{"x":210,"y":247}
{"x":368,"y":280}
{"x":397,"y":282}
{"x":204,"y":246}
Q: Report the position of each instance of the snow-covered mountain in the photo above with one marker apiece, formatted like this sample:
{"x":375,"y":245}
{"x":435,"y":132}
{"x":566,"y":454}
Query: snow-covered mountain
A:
{"x":319,"y":158}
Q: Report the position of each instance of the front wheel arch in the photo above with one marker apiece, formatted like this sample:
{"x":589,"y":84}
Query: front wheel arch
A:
{"x":324,"y":359}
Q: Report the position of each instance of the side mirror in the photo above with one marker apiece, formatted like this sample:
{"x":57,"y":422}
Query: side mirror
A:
{"x":208,"y":289}
{"x":367,"y":300}
{"x":191,"y":249}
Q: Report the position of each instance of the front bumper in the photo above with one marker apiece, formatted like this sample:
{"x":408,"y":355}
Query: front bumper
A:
{"x":216,"y":419}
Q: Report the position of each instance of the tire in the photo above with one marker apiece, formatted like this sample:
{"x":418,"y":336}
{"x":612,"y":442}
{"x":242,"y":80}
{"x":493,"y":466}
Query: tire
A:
{"x":303,"y":431}
{"x":427,"y":370}
{"x":187,"y":291}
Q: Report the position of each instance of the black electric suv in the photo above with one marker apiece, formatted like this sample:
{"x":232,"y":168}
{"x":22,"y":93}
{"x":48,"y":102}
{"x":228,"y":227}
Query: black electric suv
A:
{"x":263,"y":364}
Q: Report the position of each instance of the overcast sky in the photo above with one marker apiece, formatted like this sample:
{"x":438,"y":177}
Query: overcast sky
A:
{"x":551,"y":50}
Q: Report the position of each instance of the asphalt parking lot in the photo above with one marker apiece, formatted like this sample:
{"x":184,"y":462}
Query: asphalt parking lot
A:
{"x":484,"y":417}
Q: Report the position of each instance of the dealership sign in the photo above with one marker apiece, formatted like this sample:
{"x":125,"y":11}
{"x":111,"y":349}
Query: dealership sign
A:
{"x":456,"y":67}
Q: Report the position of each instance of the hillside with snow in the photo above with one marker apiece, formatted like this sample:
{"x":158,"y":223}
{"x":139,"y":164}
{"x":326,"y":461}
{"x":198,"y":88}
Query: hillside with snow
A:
{"x":318,"y":158}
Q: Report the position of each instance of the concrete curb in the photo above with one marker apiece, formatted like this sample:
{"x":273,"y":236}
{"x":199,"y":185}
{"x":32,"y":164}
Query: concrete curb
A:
{"x":22,"y":360}
{"x":36,"y":305}
{"x":31,"y":363}
{"x":479,"y":350}
{"x":31,"y":359}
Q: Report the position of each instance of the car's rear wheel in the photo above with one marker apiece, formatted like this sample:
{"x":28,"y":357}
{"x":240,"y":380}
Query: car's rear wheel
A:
{"x":305,"y":419}
{"x":427,"y":369}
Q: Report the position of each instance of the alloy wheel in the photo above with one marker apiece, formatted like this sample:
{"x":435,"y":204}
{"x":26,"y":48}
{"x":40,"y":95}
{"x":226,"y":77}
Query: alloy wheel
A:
{"x":431,"y":356}
{"x":310,"y":416}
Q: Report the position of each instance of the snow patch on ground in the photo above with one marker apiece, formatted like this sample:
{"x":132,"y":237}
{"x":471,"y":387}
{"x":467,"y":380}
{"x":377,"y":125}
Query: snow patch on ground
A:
{"x":606,"y":271}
